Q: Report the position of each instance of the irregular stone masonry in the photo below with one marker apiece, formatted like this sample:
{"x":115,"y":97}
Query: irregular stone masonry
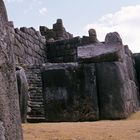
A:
{"x":57,"y":33}
{"x":35,"y":104}
{"x":10,"y":122}
{"x":29,"y":46}
{"x":62,"y":51}
{"x":65,"y":50}
{"x":87,"y":50}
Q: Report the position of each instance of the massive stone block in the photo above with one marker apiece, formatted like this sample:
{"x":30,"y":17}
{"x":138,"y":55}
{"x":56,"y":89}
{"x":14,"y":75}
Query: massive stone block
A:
{"x":9,"y":105}
{"x":137,"y":65}
{"x":116,"y":77}
{"x":117,"y":93}
{"x":108,"y":51}
{"x":117,"y":83}
{"x":70,"y":92}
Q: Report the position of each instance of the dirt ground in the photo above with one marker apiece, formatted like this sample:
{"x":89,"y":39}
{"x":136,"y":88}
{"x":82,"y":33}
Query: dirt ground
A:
{"x":101,"y":130}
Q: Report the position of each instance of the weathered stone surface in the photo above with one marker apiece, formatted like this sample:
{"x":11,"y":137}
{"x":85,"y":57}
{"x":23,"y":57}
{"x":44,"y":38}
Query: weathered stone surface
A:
{"x":9,"y":106}
{"x":29,"y":46}
{"x":137,"y":65}
{"x":113,"y":38}
{"x":69,"y":89}
{"x":118,"y":95}
{"x":22,"y":85}
{"x":99,"y":53}
{"x":2,"y":132}
{"x":93,"y":36}
{"x":3,"y":12}
{"x":110,"y":50}
{"x":62,"y":51}
{"x":70,"y":92}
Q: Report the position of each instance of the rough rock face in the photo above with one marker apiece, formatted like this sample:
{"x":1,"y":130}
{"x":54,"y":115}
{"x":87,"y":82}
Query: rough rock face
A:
{"x":3,"y":13}
{"x":70,"y":92}
{"x":23,"y":92}
{"x":117,"y":94}
{"x":137,"y":65}
{"x":110,"y":50}
{"x":2,"y":132}
{"x":9,"y":106}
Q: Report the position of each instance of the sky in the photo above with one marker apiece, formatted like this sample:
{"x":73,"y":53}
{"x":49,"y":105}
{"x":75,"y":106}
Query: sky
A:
{"x":79,"y":16}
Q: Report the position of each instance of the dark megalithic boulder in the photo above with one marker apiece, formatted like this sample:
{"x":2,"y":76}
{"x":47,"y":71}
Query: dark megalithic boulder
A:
{"x":137,"y":65}
{"x":9,"y":105}
{"x":70,"y":92}
{"x":116,"y":91}
{"x":22,"y":85}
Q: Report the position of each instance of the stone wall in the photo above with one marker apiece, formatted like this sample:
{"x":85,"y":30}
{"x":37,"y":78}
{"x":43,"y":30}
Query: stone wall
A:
{"x":58,"y":32}
{"x":66,"y":85}
{"x":62,"y":51}
{"x":29,"y":46}
{"x":117,"y":93}
{"x":70,"y":92}
{"x":66,"y":50}
{"x":9,"y":103}
{"x":35,"y":103}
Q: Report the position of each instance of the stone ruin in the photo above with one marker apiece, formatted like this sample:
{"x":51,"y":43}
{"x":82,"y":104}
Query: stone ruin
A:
{"x":68,"y":78}
{"x":10,"y":122}
{"x":77,"y":79}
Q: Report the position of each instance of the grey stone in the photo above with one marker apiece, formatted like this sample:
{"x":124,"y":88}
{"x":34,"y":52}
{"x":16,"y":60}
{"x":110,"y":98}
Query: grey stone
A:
{"x":113,"y":38}
{"x":23,"y":92}
{"x":93,"y":36}
{"x":70,"y":92}
{"x":137,"y":66}
{"x":3,"y":12}
{"x":118,"y":95}
{"x":100,"y":52}
{"x":2,"y":132}
{"x":9,"y":107}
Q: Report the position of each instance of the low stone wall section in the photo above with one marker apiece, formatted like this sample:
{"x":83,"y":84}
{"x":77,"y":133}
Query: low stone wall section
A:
{"x":29,"y":46}
{"x":35,"y":103}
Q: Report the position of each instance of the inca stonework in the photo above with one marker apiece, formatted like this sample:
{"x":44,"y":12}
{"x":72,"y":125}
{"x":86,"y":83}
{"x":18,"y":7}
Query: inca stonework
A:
{"x":10,"y":122}
{"x":69,"y":78}
{"x":78,"y":79}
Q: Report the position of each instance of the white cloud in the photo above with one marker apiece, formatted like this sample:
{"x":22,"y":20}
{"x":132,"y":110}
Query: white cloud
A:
{"x":43,"y":11}
{"x":126,"y":22}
